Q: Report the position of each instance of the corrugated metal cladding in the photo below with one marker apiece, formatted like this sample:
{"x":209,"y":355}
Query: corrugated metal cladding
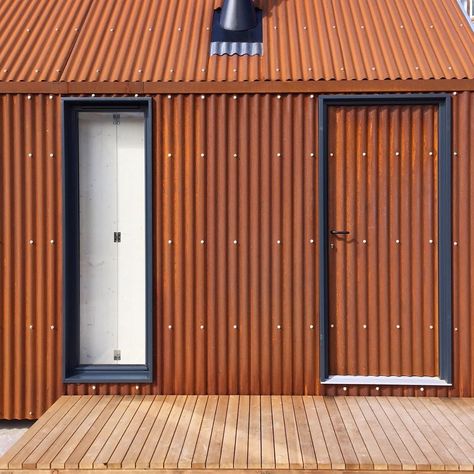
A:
{"x":237,"y":200}
{"x":383,"y":276}
{"x":126,"y":40}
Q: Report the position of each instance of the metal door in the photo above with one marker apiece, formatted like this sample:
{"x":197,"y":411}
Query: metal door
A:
{"x":383,"y":240}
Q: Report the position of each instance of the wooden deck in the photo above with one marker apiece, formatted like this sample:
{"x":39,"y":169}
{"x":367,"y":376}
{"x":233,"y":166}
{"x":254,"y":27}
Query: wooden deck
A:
{"x":248,"y":433}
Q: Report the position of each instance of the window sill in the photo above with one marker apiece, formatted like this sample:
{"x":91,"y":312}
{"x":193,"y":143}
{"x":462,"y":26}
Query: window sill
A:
{"x":109,"y":374}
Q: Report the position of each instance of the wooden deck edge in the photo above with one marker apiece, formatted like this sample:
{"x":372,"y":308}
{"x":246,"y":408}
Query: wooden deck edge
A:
{"x":215,"y":471}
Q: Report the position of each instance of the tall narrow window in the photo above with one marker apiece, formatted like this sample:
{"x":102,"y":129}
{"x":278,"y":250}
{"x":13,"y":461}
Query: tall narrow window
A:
{"x":106,"y":232}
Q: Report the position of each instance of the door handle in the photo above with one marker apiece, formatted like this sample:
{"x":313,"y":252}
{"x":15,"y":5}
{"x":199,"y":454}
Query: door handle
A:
{"x":340,"y":232}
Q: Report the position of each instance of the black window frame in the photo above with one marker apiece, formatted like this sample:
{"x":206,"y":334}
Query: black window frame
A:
{"x":443,"y":101}
{"x":73,"y":372}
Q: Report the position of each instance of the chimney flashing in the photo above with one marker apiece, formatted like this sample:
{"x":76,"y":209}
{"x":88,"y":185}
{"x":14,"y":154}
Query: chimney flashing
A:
{"x":229,"y":42}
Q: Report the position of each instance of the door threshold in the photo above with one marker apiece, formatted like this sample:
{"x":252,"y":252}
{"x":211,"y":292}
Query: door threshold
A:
{"x":384,"y":380}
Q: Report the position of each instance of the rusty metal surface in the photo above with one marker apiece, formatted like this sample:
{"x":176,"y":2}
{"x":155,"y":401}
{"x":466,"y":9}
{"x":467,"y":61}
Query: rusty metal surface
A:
{"x":265,"y":284}
{"x":383,"y":276}
{"x":151,"y":41}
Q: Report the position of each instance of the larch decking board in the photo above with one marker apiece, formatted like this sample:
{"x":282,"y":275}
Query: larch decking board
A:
{"x":174,"y":452}
{"x":117,"y":457}
{"x":204,"y":438}
{"x":230,"y":434}
{"x":136,"y":446}
{"x":417,"y":434}
{"x":59,"y":462}
{"x":186,"y":458}
{"x":446,"y":459}
{"x":405,"y":457}
{"x":26,"y":439}
{"x":391,"y":459}
{"x":443,"y":432}
{"x":57,"y":432}
{"x":268,"y":445}
{"x":451,"y":426}
{"x":217,"y":436}
{"x":86,"y":442}
{"x":87,"y":462}
{"x":143,"y":461}
{"x":306,"y":443}
{"x":70,"y":427}
{"x":358,"y":444}
{"x":242,"y":435}
{"x":334,"y":450}
{"x":292,"y":439}
{"x":161,"y":451}
{"x":111,"y":444}
{"x":254,"y":460}
{"x":247,"y":433}
{"x":281,"y":449}
{"x":319,"y":444}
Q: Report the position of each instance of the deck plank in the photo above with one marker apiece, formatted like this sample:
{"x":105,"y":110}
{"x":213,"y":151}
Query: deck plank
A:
{"x":130,"y":459}
{"x":332,"y":444}
{"x":31,"y":462}
{"x":408,"y":438}
{"x":217,"y":436}
{"x":190,"y":442}
{"x":279,"y":435}
{"x":295,"y":457}
{"x":242,"y":435}
{"x":306,"y":443}
{"x":102,"y":459}
{"x":87,"y":462}
{"x":230,"y":434}
{"x":442,"y":431}
{"x":392,"y":460}
{"x":144,"y":458}
{"x":118,"y":455}
{"x":68,"y":430}
{"x":59,"y":462}
{"x":176,"y":446}
{"x":255,"y":435}
{"x":268,"y":449}
{"x":417,"y":434}
{"x":466,"y":417}
{"x":323,"y":459}
{"x":79,"y":452}
{"x":48,"y":419}
{"x":358,"y":444}
{"x":450,"y":429}
{"x":351,"y":460}
{"x":204,"y":438}
{"x":377,"y":459}
{"x":161,"y":451}
{"x":248,"y":434}
{"x":446,"y":459}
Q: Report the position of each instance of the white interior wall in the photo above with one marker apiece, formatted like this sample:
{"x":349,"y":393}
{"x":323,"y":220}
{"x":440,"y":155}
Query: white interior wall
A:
{"x":112,"y":275}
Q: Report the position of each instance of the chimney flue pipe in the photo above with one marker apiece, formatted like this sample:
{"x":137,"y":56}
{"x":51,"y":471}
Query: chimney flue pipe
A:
{"x":238,"y":15}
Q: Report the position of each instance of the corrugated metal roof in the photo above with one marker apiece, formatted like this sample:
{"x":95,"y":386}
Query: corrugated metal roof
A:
{"x":150,"y":40}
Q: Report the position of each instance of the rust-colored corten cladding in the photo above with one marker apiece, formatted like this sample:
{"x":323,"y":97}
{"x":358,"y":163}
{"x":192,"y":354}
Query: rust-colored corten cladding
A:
{"x":383,"y":275}
{"x":304,"y":40}
{"x":238,"y":283}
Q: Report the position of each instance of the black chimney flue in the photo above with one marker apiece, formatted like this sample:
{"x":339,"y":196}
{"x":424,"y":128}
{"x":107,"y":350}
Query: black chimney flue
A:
{"x":238,"y":15}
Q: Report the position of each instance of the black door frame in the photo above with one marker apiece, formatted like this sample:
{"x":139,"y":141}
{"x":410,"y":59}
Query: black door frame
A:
{"x":443,"y":101}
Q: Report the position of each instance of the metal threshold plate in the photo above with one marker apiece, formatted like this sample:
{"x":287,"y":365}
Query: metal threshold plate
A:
{"x":384,"y":380}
